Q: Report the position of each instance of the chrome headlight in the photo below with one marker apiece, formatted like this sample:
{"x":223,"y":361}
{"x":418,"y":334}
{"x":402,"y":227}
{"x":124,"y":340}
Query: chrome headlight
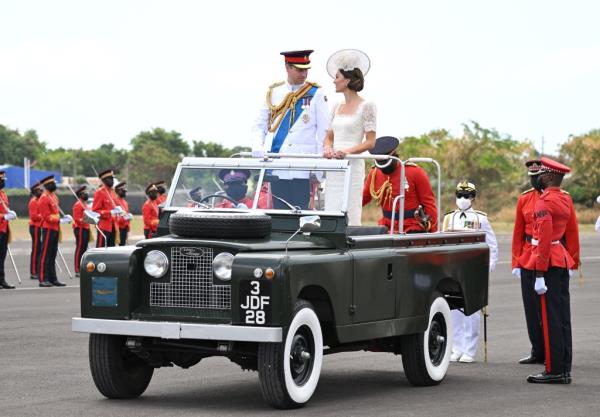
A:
{"x":222,"y":266}
{"x":156,"y":263}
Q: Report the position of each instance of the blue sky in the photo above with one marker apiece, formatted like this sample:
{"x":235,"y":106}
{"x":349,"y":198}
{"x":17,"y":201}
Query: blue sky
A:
{"x":86,"y":73}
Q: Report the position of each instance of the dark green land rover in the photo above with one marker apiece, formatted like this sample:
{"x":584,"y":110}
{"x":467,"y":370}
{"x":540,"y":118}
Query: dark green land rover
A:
{"x":273,"y":286}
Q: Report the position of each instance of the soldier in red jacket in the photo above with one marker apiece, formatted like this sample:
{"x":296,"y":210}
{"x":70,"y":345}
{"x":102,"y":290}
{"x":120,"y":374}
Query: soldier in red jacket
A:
{"x":80,"y":228}
{"x":150,"y":212}
{"x":551,"y":261}
{"x":123,"y":220}
{"x":35,"y":230}
{"x":6,"y":215}
{"x":161,"y":186}
{"x":383,"y":184}
{"x":105,"y":205}
{"x":51,"y":221}
{"x":235,"y":185}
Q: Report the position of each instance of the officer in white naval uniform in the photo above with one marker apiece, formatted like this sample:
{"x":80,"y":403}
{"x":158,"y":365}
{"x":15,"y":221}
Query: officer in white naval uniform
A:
{"x":294,"y":118}
{"x":466,"y":328}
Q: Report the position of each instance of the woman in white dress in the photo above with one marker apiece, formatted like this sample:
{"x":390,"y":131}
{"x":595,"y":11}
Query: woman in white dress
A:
{"x":353,"y":125}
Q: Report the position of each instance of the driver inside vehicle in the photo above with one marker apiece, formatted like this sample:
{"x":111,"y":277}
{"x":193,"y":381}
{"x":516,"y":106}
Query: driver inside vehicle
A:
{"x":235,"y":185}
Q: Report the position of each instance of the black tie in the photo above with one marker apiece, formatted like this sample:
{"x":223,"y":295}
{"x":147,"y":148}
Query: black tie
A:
{"x":462,"y":214}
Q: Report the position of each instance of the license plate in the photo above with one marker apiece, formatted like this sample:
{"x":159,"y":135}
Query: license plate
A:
{"x":255,"y":302}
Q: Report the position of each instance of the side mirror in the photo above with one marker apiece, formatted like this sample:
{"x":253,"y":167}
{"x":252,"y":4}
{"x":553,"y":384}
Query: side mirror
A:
{"x":91,"y":217}
{"x":310,"y":223}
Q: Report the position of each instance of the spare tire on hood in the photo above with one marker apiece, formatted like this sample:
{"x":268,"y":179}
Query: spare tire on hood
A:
{"x":220,"y":224}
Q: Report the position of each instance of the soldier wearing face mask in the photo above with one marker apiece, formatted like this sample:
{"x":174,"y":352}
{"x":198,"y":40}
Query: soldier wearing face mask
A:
{"x":35,"y":230}
{"x":383,"y":185}
{"x":6,"y":215}
{"x":105,"y":204}
{"x":466,"y":328}
{"x":81,"y":229}
{"x":150,"y":212}
{"x":124,"y":220}
{"x":235,"y":185}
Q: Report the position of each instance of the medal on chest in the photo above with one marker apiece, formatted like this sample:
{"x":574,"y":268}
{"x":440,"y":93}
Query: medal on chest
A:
{"x":305,"y":117}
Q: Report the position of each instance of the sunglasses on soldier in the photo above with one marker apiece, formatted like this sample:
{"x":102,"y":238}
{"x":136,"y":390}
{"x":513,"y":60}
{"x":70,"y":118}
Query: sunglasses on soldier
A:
{"x":464,"y":194}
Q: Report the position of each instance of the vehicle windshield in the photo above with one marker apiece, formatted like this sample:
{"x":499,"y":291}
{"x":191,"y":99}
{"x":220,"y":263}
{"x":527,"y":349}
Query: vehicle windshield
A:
{"x":288,"y":189}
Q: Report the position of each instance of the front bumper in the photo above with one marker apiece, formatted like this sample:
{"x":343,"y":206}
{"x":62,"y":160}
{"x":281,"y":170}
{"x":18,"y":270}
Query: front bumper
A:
{"x":175,"y":330}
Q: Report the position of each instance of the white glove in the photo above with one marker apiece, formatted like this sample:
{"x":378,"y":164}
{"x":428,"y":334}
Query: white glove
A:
{"x":117,"y":210}
{"x":10,"y":215}
{"x":66,"y":220}
{"x":540,"y":286}
{"x":258,"y":153}
{"x":571,"y":271}
{"x":517,"y":272}
{"x":128,"y":216}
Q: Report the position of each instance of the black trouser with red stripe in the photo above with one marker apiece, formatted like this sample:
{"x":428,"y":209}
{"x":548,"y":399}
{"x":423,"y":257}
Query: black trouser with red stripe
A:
{"x":533,"y":318}
{"x":110,"y":238}
{"x":36,"y":252}
{"x":82,"y":237}
{"x":149,"y":234}
{"x":3,"y":251}
{"x":123,"y":236}
{"x":48,"y":260}
{"x":558,"y":304}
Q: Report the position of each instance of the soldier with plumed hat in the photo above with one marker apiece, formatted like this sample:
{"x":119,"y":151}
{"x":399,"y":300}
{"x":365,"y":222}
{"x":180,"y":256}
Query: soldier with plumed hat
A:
{"x":6,"y":215}
{"x":81,"y":229}
{"x":35,"y":229}
{"x":150,"y":212}
{"x":552,"y":261}
{"x":106,"y":206}
{"x":465,"y":217}
{"x":383,"y":185}
{"x":293,"y":119}
{"x":50,"y":212}
{"x":123,"y":220}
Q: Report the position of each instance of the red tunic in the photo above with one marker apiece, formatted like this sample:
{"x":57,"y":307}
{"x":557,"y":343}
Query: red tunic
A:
{"x":161,"y":199}
{"x":228,"y":204}
{"x":4,"y":207}
{"x":35,"y":218}
{"x":104,"y":202}
{"x":418,"y":192}
{"x":48,"y":207}
{"x":521,"y":247}
{"x":78,"y":208}
{"x":121,"y":222}
{"x":552,"y":214}
{"x":150,"y":215}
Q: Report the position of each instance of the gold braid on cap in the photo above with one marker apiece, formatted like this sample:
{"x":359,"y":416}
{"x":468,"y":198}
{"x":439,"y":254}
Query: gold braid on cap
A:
{"x":289,"y":102}
{"x":384,"y":194}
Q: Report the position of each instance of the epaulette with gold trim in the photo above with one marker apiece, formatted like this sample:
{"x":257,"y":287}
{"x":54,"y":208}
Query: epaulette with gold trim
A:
{"x":564,"y":192}
{"x":313,"y":84}
{"x":410,"y":164}
{"x":449,"y":212}
{"x":528,"y":191}
{"x":483,"y":213}
{"x":277,"y":84}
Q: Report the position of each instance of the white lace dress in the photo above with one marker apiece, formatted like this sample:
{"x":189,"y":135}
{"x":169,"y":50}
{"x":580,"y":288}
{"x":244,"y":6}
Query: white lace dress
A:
{"x":348,"y":131}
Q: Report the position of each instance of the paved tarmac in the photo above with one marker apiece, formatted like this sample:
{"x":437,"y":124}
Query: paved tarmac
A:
{"x":44,"y":366}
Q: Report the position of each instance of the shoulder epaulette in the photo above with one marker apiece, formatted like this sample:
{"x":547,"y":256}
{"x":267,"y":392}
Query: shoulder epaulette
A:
{"x":449,"y":212}
{"x":564,"y":192}
{"x":527,"y":191}
{"x":313,"y":84}
{"x":277,"y":84}
{"x":410,"y":164}
{"x":483,"y":213}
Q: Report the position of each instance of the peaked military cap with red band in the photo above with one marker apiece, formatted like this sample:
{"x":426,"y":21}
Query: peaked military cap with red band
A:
{"x":106,"y":174}
{"x":385,"y":145}
{"x":47,"y":180}
{"x":36,"y":186}
{"x":549,"y":165}
{"x":299,"y":59}
{"x":230,"y":175}
{"x":533,"y":167}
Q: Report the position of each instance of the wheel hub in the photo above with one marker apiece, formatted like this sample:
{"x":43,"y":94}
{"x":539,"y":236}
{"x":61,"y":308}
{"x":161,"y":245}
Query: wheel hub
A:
{"x":437,"y":339}
{"x":302,"y":355}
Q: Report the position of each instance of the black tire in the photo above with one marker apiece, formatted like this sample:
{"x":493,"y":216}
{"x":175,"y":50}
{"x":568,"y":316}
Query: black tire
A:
{"x":117,"y":372}
{"x":426,"y":355}
{"x":220,"y":224}
{"x":288,"y":379}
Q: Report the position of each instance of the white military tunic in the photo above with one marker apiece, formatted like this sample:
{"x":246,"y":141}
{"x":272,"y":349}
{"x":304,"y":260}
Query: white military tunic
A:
{"x":466,"y":328}
{"x":307,"y":133}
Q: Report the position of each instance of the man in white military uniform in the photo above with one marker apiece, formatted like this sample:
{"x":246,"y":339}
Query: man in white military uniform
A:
{"x":293,"y":119}
{"x":466,"y":328}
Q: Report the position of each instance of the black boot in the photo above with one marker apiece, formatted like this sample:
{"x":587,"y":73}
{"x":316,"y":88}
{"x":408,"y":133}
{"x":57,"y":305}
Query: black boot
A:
{"x":546,"y":378}
{"x":6,"y":285}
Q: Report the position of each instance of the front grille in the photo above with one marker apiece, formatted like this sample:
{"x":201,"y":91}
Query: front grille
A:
{"x":191,"y":283}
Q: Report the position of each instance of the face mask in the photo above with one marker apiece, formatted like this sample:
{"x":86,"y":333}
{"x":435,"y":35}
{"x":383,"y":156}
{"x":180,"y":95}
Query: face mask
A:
{"x":85,"y":196}
{"x":109,"y":181}
{"x":463,"y":203}
{"x":237,"y":191}
{"x":51,"y":187}
{"x":122,"y":193}
{"x":535,"y":182}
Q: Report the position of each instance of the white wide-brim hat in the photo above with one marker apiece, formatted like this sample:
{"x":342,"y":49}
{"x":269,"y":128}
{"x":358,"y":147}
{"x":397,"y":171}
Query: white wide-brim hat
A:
{"x":347,"y":60}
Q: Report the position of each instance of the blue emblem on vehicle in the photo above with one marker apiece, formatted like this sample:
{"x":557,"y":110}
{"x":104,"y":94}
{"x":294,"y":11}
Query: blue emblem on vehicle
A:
{"x":104,"y":292}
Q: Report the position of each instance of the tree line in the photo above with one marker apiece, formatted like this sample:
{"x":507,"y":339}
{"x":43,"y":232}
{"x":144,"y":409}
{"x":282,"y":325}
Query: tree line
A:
{"x":494,"y":162}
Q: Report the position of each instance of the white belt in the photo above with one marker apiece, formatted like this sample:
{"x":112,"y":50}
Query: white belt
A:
{"x":535,"y":242}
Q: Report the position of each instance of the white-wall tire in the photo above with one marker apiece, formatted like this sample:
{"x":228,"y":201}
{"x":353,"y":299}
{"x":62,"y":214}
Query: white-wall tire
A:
{"x":426,"y":355}
{"x":288,"y":378}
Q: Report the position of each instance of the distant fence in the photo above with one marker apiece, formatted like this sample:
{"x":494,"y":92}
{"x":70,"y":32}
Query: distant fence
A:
{"x":19,"y":203}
